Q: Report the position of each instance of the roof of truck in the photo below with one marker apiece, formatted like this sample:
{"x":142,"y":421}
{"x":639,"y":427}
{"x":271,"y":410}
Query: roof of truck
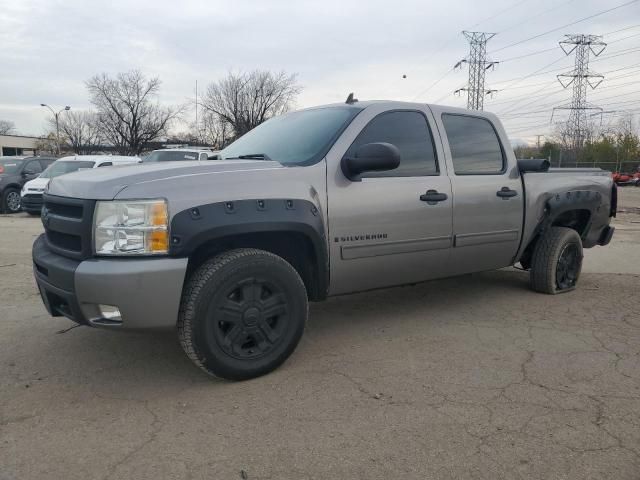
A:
{"x":406,"y":105}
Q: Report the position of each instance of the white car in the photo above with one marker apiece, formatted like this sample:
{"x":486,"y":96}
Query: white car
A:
{"x":31,"y":194}
{"x":181,"y":154}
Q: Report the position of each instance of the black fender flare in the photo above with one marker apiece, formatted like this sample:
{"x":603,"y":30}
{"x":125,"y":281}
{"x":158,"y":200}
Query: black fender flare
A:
{"x":202,"y":224}
{"x":560,"y":203}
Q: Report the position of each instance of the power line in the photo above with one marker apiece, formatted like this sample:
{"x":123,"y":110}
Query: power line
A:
{"x":621,"y":29}
{"x":452,"y":39}
{"x":528,"y":19}
{"x":433,"y":84}
{"x":564,"y":26}
{"x":527,"y":55}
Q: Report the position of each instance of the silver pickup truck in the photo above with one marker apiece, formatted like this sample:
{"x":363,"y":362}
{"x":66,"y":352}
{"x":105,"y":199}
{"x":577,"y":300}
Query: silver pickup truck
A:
{"x":319,"y":202}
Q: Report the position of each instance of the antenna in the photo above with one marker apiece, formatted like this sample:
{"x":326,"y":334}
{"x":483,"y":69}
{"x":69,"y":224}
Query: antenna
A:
{"x":350,"y":99}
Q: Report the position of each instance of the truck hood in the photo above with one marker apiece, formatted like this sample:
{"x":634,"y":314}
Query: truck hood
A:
{"x":106,"y":183}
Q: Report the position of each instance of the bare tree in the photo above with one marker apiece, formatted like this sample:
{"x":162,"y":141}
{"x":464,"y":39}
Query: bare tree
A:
{"x":246,"y":100}
{"x":214,"y":131}
{"x":81,"y":131}
{"x":129,"y":114}
{"x":7,"y":127}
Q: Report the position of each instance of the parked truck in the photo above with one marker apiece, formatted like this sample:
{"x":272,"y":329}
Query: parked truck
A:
{"x":319,"y":202}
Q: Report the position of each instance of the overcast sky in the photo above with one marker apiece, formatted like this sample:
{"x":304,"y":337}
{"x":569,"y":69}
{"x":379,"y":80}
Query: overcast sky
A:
{"x":48,"y":48}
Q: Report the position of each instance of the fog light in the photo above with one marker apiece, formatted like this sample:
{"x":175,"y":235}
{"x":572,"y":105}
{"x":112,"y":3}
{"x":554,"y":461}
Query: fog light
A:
{"x":110,"y":312}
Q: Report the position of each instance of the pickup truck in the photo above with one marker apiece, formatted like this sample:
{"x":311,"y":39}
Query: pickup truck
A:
{"x":319,"y":202}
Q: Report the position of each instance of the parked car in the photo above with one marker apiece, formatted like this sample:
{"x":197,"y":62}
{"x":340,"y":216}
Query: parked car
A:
{"x":623,"y":179}
{"x":319,"y":202}
{"x":31,"y":194}
{"x":14,"y":173}
{"x":180,"y":154}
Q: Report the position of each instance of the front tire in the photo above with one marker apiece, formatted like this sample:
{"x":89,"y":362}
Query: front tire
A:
{"x":557,"y":261}
{"x":242,"y":314}
{"x":11,"y":200}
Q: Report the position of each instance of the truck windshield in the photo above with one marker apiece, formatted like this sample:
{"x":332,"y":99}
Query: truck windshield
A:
{"x":169,"y":156}
{"x":297,"y":138}
{"x":61,"y":167}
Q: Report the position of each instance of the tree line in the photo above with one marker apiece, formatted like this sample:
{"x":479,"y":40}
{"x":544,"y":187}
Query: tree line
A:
{"x":613,"y":147}
{"x":127,"y":116}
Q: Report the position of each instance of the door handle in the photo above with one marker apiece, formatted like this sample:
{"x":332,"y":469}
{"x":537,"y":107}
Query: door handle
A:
{"x":433,"y":196}
{"x":506,"y":192}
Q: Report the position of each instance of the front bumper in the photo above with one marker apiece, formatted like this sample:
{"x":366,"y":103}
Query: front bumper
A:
{"x":147,"y":291}
{"x":31,"y":202}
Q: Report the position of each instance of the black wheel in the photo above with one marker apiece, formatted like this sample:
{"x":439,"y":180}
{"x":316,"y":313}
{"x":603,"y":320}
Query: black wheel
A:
{"x":11,"y":200}
{"x":557,"y":261}
{"x":242,"y":314}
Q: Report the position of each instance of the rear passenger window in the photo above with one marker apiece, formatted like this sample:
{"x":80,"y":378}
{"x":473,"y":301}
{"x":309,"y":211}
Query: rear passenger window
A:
{"x":474,"y":144}
{"x":409,"y":132}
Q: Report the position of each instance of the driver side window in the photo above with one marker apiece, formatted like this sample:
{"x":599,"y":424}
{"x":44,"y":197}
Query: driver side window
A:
{"x":410,"y":132}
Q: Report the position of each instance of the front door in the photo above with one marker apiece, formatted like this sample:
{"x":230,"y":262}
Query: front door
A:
{"x":488,"y":195}
{"x":385,"y":229}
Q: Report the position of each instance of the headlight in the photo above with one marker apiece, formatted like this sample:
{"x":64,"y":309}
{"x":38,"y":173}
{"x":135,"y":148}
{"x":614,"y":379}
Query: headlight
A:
{"x":137,"y":227}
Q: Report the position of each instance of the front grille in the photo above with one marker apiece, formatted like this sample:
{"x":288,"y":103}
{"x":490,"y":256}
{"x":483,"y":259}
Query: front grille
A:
{"x":65,"y":210}
{"x":67,"y":224}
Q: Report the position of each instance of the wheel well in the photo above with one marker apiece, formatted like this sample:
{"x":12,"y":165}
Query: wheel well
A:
{"x":576,"y":219}
{"x":15,"y":186}
{"x":296,"y":248}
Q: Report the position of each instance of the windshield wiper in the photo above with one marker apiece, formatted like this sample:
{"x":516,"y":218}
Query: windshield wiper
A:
{"x":252,"y":156}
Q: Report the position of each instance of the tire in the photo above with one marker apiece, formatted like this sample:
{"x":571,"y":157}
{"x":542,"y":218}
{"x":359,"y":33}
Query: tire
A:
{"x":242,"y":314}
{"x":557,"y":261}
{"x":11,"y":200}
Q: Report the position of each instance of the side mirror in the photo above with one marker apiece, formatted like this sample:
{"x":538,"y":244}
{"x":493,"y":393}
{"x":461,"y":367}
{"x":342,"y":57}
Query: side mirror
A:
{"x":28,"y":173}
{"x":370,"y":157}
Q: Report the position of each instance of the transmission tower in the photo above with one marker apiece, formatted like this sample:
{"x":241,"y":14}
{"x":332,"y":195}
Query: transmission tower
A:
{"x":580,"y":77}
{"x":478,"y":66}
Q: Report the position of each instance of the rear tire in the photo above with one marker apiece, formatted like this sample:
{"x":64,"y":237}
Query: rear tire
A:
{"x":557,"y":261}
{"x":242,"y":314}
{"x":11,"y":200}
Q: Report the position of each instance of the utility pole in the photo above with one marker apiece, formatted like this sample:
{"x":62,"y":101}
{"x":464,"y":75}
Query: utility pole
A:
{"x":580,"y":77}
{"x":197,"y":129}
{"x":56,"y":115}
{"x":538,"y":140}
{"x":478,"y":66}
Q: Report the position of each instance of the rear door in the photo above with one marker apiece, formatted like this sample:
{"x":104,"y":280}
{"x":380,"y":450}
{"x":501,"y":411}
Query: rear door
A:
{"x":382,"y":229}
{"x":487,"y":193}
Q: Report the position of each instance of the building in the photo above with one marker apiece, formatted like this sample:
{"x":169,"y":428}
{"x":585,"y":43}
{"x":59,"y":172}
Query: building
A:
{"x":12,"y":145}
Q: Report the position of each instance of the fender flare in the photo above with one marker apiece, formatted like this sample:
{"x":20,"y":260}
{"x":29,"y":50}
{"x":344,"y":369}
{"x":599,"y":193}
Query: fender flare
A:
{"x":202,"y":224}
{"x":560,"y":203}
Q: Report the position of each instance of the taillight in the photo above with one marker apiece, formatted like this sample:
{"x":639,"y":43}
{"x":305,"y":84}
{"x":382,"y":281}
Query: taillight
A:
{"x":1,"y":169}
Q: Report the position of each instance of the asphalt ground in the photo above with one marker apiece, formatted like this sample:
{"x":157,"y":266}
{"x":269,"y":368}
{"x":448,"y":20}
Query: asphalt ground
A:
{"x":475,"y":377}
